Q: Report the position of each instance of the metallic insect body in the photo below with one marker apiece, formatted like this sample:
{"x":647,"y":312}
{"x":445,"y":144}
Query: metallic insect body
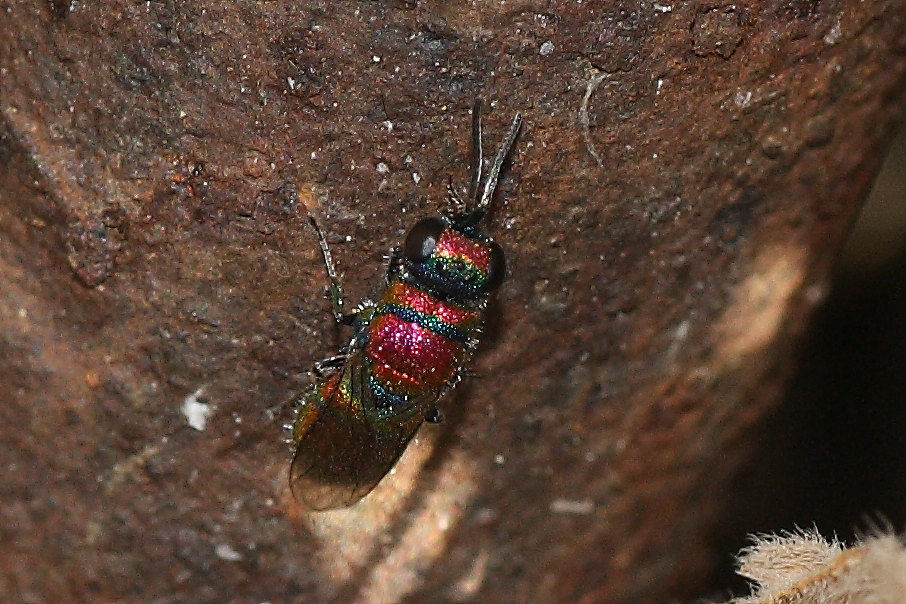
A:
{"x":407,"y":350}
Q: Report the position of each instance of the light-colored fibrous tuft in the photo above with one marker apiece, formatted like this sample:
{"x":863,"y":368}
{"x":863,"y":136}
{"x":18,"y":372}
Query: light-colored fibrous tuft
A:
{"x":803,"y":567}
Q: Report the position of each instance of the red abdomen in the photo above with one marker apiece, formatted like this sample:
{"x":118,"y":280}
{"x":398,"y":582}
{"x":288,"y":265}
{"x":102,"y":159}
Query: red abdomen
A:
{"x":415,"y":341}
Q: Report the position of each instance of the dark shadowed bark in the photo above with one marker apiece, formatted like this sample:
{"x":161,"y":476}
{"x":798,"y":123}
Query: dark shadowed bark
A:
{"x":685,"y":175}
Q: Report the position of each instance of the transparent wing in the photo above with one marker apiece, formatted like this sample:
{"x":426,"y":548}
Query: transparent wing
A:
{"x":342,"y":449}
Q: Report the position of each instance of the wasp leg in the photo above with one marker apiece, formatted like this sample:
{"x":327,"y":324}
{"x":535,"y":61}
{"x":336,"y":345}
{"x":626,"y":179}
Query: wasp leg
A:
{"x":434,"y":416}
{"x":394,"y":264}
{"x":330,"y":364}
{"x":458,"y":206}
{"x":336,"y":289}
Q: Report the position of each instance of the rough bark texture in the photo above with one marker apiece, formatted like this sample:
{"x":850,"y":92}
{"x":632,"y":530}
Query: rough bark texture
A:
{"x":685,"y":175}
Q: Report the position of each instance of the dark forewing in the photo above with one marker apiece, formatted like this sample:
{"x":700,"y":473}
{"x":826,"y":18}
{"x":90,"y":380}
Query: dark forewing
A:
{"x":344,"y":452}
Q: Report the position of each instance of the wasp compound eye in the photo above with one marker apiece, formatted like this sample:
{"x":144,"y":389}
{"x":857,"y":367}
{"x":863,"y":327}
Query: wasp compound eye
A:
{"x":496,"y":268}
{"x":422,"y":239}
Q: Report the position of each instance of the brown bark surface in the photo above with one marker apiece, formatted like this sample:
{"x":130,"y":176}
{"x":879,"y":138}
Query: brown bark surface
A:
{"x":684,"y":177}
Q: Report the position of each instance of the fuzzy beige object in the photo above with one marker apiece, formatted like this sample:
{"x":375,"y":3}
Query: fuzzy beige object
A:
{"x":806,"y":568}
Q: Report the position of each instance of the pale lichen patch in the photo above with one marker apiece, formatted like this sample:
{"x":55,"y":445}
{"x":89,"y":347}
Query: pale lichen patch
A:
{"x":760,"y":303}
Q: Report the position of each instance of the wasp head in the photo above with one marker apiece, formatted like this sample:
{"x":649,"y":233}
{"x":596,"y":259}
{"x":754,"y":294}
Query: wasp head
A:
{"x":458,"y":261}
{"x":450,"y":254}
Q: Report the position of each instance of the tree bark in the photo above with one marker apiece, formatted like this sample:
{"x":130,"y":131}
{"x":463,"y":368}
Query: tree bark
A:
{"x":684,"y":177}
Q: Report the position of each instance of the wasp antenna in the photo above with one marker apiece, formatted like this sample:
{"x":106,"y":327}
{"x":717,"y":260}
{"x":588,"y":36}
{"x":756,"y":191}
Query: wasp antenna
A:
{"x":477,"y":153}
{"x":491,"y":182}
